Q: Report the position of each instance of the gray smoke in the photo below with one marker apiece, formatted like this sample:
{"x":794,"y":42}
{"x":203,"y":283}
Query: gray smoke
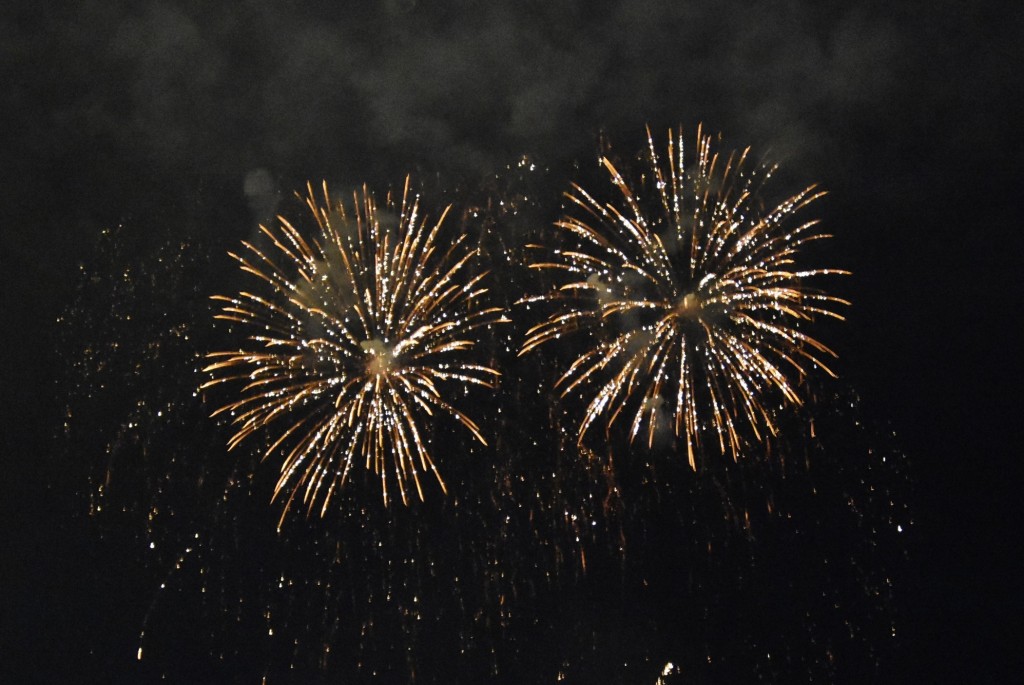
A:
{"x":461,"y":86}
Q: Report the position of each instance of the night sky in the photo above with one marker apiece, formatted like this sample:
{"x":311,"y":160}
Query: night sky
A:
{"x":142,"y":141}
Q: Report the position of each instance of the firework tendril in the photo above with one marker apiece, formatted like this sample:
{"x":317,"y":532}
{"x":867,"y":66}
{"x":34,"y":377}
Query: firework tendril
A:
{"x":352,"y":338}
{"x":686,"y":288}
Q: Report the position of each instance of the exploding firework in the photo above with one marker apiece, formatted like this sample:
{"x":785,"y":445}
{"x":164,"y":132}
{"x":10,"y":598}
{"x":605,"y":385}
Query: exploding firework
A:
{"x":355,"y":336}
{"x":687,"y":288}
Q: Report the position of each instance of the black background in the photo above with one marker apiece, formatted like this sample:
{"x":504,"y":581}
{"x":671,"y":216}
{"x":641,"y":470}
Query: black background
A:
{"x":141,"y":112}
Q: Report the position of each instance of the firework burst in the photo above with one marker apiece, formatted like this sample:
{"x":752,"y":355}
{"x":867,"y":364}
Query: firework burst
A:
{"x":352,"y":338}
{"x":687,"y":288}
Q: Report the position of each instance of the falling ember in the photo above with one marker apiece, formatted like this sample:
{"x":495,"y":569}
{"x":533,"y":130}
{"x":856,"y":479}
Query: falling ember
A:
{"x":688,"y":288}
{"x":352,"y":339}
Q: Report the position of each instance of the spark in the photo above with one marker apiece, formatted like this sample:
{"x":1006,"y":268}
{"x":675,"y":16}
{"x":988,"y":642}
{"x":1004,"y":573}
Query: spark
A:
{"x":687,"y":289}
{"x":352,"y":338}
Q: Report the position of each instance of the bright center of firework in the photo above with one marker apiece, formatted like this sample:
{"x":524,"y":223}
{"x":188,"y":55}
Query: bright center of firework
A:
{"x":380,"y":357}
{"x":689,"y":306}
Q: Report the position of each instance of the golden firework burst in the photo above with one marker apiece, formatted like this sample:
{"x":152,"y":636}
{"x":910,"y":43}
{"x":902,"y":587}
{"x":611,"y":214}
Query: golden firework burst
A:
{"x":352,"y":337}
{"x":686,"y":287}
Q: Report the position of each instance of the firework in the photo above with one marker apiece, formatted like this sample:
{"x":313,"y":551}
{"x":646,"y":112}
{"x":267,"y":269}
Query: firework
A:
{"x":686,"y":287}
{"x":352,"y":338}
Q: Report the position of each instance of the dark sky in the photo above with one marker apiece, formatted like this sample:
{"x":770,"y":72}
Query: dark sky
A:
{"x":143,"y":112}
